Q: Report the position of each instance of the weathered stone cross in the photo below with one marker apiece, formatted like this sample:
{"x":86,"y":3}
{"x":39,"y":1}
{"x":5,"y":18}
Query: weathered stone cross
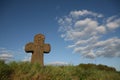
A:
{"x":38,"y":48}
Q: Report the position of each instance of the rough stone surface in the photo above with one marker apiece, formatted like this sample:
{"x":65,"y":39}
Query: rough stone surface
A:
{"x":38,"y":48}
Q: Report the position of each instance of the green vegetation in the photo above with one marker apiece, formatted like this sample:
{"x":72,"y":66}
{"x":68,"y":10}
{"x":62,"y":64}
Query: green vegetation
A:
{"x":28,"y":71}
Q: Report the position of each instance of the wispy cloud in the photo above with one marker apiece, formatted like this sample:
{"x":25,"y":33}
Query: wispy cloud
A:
{"x":27,"y":58}
{"x":85,"y":28}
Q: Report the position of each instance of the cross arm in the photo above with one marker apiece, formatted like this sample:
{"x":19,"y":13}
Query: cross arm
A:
{"x":47,"y":48}
{"x":29,"y":47}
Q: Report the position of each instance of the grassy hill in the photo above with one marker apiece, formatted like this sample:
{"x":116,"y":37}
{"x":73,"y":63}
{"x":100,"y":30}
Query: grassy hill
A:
{"x":28,"y":71}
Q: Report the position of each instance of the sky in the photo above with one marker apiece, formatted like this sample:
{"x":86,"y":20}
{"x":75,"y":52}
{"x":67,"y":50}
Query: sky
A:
{"x":79,"y":31}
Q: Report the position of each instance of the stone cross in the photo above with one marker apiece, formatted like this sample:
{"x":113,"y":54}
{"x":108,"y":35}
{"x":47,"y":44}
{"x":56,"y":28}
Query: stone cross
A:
{"x":38,"y":48}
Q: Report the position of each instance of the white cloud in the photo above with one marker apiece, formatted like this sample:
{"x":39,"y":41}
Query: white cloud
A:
{"x":77,"y":14}
{"x":108,"y":48}
{"x":113,"y":25}
{"x":113,"y":22}
{"x":85,"y":32}
{"x":58,"y":63}
{"x":5,"y":54}
{"x":90,"y":55}
{"x":101,"y":29}
{"x":11,"y":54}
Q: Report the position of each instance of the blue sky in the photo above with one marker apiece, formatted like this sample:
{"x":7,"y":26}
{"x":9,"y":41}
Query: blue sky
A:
{"x":79,"y":31}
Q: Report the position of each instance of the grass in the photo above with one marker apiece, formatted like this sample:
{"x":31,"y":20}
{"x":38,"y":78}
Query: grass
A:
{"x":28,"y":71}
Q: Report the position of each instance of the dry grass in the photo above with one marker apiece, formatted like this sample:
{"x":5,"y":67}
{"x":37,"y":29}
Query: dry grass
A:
{"x":28,"y":71}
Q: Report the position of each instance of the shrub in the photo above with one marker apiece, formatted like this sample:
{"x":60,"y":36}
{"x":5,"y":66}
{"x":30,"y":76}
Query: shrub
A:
{"x":106,"y":68}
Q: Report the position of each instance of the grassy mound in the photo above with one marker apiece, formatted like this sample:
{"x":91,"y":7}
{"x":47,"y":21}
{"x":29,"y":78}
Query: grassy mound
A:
{"x":28,"y":71}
